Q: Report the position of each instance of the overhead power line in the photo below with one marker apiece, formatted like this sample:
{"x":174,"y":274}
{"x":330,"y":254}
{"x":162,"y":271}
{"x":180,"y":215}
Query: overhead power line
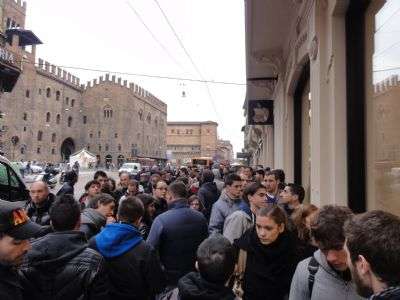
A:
{"x":190,"y":57}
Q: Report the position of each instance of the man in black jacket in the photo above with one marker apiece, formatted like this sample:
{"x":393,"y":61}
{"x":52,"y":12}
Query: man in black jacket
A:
{"x":15,"y":231}
{"x":39,"y":206}
{"x":70,"y":179}
{"x":133,"y":267}
{"x":177,"y":234}
{"x":60,"y":265}
{"x":208,"y":192}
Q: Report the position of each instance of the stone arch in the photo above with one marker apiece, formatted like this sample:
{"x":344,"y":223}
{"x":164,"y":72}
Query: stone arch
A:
{"x":67,"y":148}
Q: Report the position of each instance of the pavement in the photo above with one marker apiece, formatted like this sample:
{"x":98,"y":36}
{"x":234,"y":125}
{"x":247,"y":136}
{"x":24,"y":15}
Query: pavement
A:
{"x":84,"y":177}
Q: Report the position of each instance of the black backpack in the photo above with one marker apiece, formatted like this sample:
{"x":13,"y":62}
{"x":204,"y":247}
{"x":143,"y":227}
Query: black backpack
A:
{"x":313,"y":267}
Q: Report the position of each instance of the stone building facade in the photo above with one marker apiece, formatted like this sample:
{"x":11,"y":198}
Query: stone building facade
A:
{"x":186,"y":140}
{"x":224,"y":150}
{"x":331,"y":69}
{"x":50,"y":114}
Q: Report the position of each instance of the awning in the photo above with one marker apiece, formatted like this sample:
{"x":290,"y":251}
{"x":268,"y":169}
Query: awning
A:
{"x":26,"y":37}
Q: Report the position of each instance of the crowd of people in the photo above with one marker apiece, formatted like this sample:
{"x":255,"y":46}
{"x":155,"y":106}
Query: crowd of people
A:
{"x":223,"y":233}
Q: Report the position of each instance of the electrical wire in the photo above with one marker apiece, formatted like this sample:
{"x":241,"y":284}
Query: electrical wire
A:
{"x":387,"y":20}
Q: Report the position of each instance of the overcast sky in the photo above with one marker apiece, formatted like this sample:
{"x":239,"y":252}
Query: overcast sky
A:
{"x":107,"y":35}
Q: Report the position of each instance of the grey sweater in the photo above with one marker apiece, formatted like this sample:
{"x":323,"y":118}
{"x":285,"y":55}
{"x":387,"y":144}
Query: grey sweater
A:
{"x":221,"y":210}
{"x":327,"y":286}
{"x":236,"y":224}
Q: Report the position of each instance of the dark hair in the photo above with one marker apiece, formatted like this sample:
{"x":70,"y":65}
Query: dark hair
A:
{"x":279,"y":174}
{"x":261,"y":172}
{"x":376,"y":236}
{"x":147,"y":200}
{"x":251,"y":189}
{"x":130,"y":210}
{"x":70,"y":176}
{"x":271,"y":173}
{"x":274,"y":212}
{"x":327,"y":226}
{"x":178,"y":189}
{"x":184,"y":170}
{"x":207,"y":176}
{"x":64,"y":213}
{"x":99,"y":173}
{"x":124,"y":172}
{"x":112,"y":184}
{"x":184,"y":180}
{"x":216,"y":259}
{"x":194,"y":198}
{"x":155,"y":185}
{"x":230,"y":178}
{"x":134,"y":181}
{"x":102,"y":199}
{"x":299,"y":220}
{"x":298,"y":190}
{"x":90,"y":183}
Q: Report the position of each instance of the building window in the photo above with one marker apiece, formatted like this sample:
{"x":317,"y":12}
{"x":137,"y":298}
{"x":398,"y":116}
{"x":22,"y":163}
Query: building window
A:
{"x":53,"y":151}
{"x":99,"y":147}
{"x":172,"y":131}
{"x":67,"y":101}
{"x":72,"y":102}
{"x":48,"y":117}
{"x":24,"y":128}
{"x":69,"y":121}
{"x":119,"y":147}
{"x":116,"y":135}
{"x":58,"y":119}
{"x":140,"y":115}
{"x":91,"y":135}
{"x":53,"y":137}
{"x":99,"y":134}
{"x":84,"y":119}
{"x":8,"y":23}
{"x":22,"y":150}
{"x":40,"y":135}
{"x":40,"y":91}
{"x":27,"y":93}
{"x":108,"y":113}
{"x":38,"y":150}
{"x":88,"y":147}
{"x":48,"y":92}
{"x":148,"y":118}
{"x":58,"y":94}
{"x":25,"y":117}
{"x":107,"y":147}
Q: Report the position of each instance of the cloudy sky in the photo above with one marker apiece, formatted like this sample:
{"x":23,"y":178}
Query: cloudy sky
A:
{"x":108,"y":35}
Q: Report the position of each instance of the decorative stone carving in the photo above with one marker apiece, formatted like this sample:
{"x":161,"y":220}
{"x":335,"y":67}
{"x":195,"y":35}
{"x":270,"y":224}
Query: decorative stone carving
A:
{"x":313,"y":50}
{"x":272,"y":58}
{"x":268,"y":85}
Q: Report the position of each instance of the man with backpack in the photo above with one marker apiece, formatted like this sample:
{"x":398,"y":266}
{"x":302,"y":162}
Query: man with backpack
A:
{"x":326,"y":275}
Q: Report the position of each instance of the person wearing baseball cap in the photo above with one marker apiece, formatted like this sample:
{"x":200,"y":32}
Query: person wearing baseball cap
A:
{"x":15,"y":231}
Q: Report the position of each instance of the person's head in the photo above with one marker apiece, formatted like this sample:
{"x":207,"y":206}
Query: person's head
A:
{"x":144,"y":177}
{"x":184,"y":180}
{"x":112,"y":184}
{"x":255,"y":195}
{"x":328,"y":234}
{"x":292,"y":194}
{"x":15,"y":231}
{"x":259,"y":175}
{"x":71,"y":177}
{"x":160,"y":189}
{"x":177,"y":190}
{"x":373,"y":247}
{"x":133,"y":187}
{"x":92,"y":188}
{"x":271,"y":221}
{"x":271,"y":182}
{"x":233,"y":186}
{"x":280,"y":175}
{"x":39,"y":192}
{"x":216,"y":259}
{"x":248,"y":172}
{"x":104,"y":204}
{"x":130,"y":211}
{"x":155,"y":178}
{"x":195,"y":203}
{"x":102,"y":178}
{"x":207,"y":176}
{"x":65,"y":213}
{"x":302,"y":219}
{"x":148,"y":204}
{"x":124,"y":179}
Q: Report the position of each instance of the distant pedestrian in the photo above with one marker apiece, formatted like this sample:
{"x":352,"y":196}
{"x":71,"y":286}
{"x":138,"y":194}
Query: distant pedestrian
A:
{"x":70,"y":179}
{"x":208,"y":192}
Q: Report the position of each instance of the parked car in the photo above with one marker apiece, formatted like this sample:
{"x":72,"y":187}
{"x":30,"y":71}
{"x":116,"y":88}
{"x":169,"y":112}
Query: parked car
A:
{"x":131,"y":168}
{"x":12,"y":187}
{"x":36,"y":169}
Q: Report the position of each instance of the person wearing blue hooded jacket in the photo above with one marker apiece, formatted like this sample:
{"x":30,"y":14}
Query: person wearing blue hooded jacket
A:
{"x":133,"y":267}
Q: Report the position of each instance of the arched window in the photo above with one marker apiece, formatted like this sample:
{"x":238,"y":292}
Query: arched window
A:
{"x":58,"y":119}
{"x":22,"y":150}
{"x":25,"y":117}
{"x":67,"y":101}
{"x":99,"y":133}
{"x":27,"y":93}
{"x":119,"y":147}
{"x":88,"y":147}
{"x":148,"y":118}
{"x":48,"y":92}
{"x":39,"y":135}
{"x":107,"y":147}
{"x":72,"y":102}
{"x":69,"y":121}
{"x":58,"y":94}
{"x":38,"y":150}
{"x":53,"y":137}
{"x":48,"y":117}
{"x":53,"y":151}
{"x":108,"y":113}
{"x":140,"y":115}
{"x":99,"y":147}
{"x":84,"y":119}
{"x":156,"y":122}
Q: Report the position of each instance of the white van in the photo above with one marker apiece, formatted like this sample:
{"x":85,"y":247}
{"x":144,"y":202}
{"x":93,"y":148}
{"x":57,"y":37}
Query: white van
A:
{"x":131,"y":168}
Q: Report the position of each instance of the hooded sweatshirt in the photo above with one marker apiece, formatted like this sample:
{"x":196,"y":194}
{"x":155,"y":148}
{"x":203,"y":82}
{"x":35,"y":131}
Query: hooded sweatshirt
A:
{"x":328,"y":284}
{"x":91,"y":222}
